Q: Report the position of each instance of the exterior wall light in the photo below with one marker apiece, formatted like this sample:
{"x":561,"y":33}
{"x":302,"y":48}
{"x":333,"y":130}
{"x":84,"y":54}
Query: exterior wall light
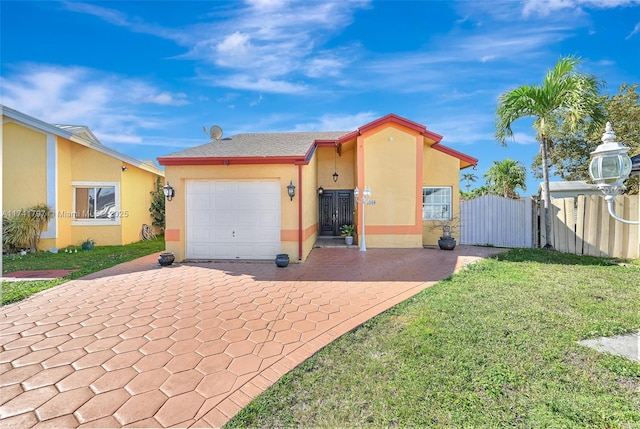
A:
{"x":609,"y":168}
{"x":291,"y":190}
{"x":168,"y":191}
{"x":320,"y":190}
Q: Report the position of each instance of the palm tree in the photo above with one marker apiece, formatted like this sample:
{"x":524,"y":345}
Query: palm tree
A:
{"x":505,"y":176}
{"x":469,"y":177}
{"x":565,"y":96}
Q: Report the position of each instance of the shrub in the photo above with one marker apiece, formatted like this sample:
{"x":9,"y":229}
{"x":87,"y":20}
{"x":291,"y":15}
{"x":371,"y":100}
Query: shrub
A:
{"x":21,"y":229}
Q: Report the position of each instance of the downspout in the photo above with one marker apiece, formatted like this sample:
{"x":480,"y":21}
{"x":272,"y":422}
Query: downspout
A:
{"x":300,"y":194}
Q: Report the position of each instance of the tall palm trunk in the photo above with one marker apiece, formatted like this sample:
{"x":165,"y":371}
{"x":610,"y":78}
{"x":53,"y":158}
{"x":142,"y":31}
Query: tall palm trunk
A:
{"x":547,"y":194}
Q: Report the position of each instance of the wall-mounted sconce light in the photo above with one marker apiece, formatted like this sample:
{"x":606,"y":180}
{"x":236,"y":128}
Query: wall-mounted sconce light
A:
{"x":320,"y":190}
{"x":124,"y":168}
{"x":168,"y":191}
{"x":609,"y":168}
{"x":291,"y":190}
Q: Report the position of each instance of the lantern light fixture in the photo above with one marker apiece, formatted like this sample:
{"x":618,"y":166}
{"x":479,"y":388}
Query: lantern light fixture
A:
{"x":610,"y":166}
{"x":168,"y":191}
{"x":291,"y":190}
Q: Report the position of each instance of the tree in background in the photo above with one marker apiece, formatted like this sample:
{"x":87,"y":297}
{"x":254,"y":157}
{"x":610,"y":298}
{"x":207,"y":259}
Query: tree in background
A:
{"x":571,"y":151}
{"x":504,"y":177}
{"x":565,"y":96}
{"x":469,"y":178}
{"x":157,"y":206}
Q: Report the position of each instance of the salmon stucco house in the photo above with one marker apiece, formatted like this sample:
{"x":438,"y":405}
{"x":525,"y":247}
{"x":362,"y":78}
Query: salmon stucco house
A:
{"x":232,"y":196}
{"x":95,"y":192}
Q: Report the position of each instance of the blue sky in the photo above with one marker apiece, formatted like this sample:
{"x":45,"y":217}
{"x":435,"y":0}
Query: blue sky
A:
{"x":147,"y":76}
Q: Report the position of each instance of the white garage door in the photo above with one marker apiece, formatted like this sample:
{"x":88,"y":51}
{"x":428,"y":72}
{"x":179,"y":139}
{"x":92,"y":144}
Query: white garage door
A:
{"x":232,"y":219}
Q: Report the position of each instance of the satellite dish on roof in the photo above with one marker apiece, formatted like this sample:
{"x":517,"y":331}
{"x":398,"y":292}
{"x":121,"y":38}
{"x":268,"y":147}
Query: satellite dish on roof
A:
{"x":214,"y":133}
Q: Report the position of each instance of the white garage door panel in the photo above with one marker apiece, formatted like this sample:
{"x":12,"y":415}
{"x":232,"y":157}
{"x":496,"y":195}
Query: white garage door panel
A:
{"x":229,"y":219}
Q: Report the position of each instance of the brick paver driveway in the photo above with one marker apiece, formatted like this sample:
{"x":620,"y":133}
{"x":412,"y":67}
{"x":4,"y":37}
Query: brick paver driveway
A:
{"x":191,"y":344}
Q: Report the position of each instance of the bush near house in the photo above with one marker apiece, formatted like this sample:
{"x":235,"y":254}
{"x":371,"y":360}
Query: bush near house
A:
{"x":21,"y":229}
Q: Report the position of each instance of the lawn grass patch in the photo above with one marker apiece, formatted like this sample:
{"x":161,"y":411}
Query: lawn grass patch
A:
{"x":493,"y":346}
{"x":83,"y":262}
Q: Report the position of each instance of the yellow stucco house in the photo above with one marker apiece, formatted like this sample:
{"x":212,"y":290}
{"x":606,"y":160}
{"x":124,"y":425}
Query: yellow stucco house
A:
{"x":232,"y":196}
{"x":95,"y":192}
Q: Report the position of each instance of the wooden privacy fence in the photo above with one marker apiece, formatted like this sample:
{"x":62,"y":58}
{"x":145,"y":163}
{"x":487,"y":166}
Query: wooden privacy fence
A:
{"x":582,"y":225}
{"x":496,"y":221}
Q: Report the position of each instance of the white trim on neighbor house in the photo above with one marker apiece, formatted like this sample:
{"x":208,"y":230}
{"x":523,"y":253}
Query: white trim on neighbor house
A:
{"x":52,"y":186}
{"x":95,"y":222}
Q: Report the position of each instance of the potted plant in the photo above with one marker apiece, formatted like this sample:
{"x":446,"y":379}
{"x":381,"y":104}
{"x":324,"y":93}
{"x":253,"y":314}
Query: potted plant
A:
{"x":448,"y":226}
{"x":88,"y":244}
{"x":348,"y":231}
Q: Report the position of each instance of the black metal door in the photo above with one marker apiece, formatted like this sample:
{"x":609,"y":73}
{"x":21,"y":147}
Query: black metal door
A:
{"x":336,"y":209}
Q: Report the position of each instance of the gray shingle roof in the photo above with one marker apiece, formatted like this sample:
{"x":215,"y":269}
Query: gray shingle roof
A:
{"x":258,"y":145}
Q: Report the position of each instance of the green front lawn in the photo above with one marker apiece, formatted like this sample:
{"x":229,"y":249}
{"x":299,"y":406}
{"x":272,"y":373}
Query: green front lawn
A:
{"x":494,"y":346}
{"x":84,"y":262}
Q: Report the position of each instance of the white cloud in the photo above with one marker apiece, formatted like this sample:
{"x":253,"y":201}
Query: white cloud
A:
{"x":114,"y":107}
{"x":635,"y":31}
{"x":248,"y":82}
{"x":337,"y":122}
{"x":260,"y":45}
{"x":547,"y":7}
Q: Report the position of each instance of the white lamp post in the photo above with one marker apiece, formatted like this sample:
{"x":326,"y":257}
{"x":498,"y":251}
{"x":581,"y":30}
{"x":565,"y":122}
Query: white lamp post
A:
{"x":609,"y":168}
{"x":366,"y":195}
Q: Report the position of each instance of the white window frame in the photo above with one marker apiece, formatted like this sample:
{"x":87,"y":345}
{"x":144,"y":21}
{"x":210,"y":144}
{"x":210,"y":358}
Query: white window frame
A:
{"x":448,"y":204}
{"x":115,"y":220}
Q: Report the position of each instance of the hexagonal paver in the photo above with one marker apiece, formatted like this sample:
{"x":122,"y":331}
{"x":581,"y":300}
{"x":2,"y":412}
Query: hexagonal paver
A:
{"x":140,"y":407}
{"x":186,"y":323}
{"x":113,"y":380}
{"x":185,"y":346}
{"x":33,"y":358}
{"x":156,"y":346}
{"x":47,"y":377}
{"x":27,"y":401}
{"x":135,"y":332}
{"x":239,"y":349}
{"x":183,"y":362}
{"x":103,"y":344}
{"x":269,"y":349}
{"x":152,"y":361}
{"x":215,"y":363}
{"x":245,"y":365}
{"x":179,"y":409}
{"x":160,"y":333}
{"x":165,"y":321}
{"x":280,"y":325}
{"x":122,"y":360}
{"x":231,"y":324}
{"x":80,"y":378}
{"x":209,"y":348}
{"x":303,"y":326}
{"x":63,"y":358}
{"x":236,"y":335}
{"x":185,"y":333}
{"x":217,"y":382}
{"x":131,"y":344}
{"x":318,"y":317}
{"x":146,"y":381}
{"x":181,"y":382}
{"x":102,"y":405}
{"x":287,"y":337}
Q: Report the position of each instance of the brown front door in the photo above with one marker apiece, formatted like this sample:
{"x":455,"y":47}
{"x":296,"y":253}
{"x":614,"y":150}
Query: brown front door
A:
{"x":336,"y":209}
